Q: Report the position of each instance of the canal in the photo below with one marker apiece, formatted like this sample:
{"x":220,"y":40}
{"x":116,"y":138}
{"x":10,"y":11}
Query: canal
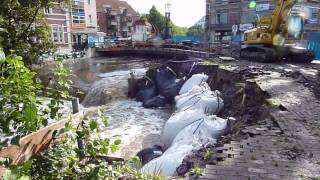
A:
{"x":105,"y":84}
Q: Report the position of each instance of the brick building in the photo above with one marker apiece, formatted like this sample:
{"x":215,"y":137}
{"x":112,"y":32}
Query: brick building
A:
{"x":70,"y":27}
{"x":224,"y":15}
{"x":115,"y":18}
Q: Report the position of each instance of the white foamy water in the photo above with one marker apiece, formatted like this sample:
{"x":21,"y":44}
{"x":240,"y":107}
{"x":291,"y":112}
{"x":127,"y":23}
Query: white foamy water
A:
{"x":135,"y":126}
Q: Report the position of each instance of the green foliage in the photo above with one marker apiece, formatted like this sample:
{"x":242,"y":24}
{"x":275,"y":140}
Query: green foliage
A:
{"x":21,"y":172}
{"x":18,"y":105}
{"x":62,"y":160}
{"x":177,"y":30}
{"x":59,"y":88}
{"x":208,"y":154}
{"x":24,"y":28}
{"x":158,"y":20}
{"x":195,"y":31}
{"x":196,"y":171}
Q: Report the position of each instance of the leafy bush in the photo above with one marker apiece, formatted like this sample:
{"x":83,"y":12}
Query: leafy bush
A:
{"x":18,"y":105}
{"x":19,"y":98}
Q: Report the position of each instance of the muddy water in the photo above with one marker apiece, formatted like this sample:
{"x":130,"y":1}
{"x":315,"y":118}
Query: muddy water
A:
{"x":105,"y":82}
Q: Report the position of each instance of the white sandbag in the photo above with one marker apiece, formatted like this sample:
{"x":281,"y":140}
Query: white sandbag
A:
{"x":196,"y":79}
{"x":209,"y":101}
{"x":190,"y":138}
{"x":177,"y":122}
{"x":167,"y":164}
{"x":194,"y":90}
{"x":201,"y":132}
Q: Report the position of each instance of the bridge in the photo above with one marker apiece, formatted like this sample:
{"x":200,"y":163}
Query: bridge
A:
{"x":149,"y":52}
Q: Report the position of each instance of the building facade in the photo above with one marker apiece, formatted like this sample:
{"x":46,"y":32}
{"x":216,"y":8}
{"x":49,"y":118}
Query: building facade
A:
{"x":141,"y":30}
{"x":115,"y":18}
{"x":70,"y":28}
{"x":225,"y":18}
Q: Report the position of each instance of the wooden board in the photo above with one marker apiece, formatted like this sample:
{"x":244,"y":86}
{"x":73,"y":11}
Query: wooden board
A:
{"x":36,"y":142}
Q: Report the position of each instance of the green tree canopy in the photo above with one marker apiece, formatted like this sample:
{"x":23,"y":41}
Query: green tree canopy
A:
{"x":195,"y":30}
{"x":26,"y":30}
{"x":158,"y":20}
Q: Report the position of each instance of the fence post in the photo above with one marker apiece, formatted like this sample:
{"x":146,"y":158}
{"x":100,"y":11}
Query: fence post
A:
{"x":75,"y":105}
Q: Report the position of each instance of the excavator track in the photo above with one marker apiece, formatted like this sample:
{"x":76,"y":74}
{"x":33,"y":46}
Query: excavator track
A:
{"x":300,"y":55}
{"x":271,"y":54}
{"x":259,"y":54}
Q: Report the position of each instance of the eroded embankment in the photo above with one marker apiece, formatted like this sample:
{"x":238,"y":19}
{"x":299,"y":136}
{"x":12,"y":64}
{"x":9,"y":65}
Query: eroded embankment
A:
{"x":244,"y":105}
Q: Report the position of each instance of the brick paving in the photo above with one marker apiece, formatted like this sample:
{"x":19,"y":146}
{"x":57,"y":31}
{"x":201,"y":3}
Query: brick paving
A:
{"x":284,"y":146}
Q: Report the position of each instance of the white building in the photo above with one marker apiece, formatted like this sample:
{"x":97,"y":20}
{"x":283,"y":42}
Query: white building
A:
{"x":142,"y":30}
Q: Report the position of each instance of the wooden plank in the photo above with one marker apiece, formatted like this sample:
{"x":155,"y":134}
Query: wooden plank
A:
{"x":35,"y":142}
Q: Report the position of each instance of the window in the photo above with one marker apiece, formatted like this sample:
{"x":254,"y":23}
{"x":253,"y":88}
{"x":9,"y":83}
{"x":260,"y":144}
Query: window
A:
{"x":222,"y":18}
{"x":314,"y":13}
{"x":57,"y":33}
{"x":234,"y":18}
{"x":89,"y":2}
{"x":90,"y":19}
{"x":47,"y":10}
{"x":78,"y":14}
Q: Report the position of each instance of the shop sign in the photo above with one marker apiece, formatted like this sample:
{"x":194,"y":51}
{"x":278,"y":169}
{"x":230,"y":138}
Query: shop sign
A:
{"x":262,"y":7}
{"x":245,"y":27}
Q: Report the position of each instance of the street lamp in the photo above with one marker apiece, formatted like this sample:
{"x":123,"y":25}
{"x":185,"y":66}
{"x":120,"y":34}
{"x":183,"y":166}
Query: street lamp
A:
{"x":167,"y":20}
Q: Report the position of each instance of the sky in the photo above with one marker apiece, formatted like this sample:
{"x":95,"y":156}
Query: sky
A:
{"x":184,"y":13}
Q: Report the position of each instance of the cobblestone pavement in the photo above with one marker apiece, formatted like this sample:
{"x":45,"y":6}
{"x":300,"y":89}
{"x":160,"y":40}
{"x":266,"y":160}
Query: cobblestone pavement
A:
{"x":285,"y":145}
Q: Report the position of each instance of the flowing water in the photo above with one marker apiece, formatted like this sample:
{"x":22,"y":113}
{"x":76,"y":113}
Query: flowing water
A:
{"x":105,"y":81}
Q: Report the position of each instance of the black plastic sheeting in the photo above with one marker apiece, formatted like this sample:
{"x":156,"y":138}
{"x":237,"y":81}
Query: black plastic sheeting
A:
{"x":161,"y":85}
{"x":158,"y":87}
{"x":146,"y":155}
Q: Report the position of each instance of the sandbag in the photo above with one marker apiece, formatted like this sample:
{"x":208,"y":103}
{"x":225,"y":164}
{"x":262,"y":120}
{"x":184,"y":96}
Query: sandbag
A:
{"x":206,"y":130}
{"x":177,"y":122}
{"x":167,"y":164}
{"x":192,"y":137}
{"x":196,"y":79}
{"x":195,"y":89}
{"x":148,"y":154}
{"x":209,"y":101}
{"x":157,"y":101}
{"x":147,"y":90}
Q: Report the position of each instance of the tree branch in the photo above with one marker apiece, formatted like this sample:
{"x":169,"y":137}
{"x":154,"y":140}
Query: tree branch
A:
{"x":33,"y":19}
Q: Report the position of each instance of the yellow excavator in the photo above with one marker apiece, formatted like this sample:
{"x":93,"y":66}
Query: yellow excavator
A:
{"x":274,"y":37}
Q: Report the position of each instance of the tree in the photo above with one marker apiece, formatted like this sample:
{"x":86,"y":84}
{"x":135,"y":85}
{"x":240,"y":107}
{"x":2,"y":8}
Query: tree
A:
{"x":178,"y":31}
{"x":27,"y":32}
{"x":156,"y":18}
{"x":195,"y":30}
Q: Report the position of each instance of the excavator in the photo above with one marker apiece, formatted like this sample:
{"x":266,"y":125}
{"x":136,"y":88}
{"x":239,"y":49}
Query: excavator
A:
{"x":274,"y":37}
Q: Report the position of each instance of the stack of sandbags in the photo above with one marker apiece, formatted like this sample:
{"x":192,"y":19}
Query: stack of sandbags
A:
{"x":177,"y":122}
{"x":192,"y":137}
{"x":191,"y":126}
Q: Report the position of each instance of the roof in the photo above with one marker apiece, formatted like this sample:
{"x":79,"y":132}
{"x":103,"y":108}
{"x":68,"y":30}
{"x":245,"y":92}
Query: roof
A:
{"x":115,"y":4}
{"x":141,"y":22}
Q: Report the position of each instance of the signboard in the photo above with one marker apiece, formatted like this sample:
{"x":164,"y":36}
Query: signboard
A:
{"x":262,"y":7}
{"x":234,"y":28}
{"x":244,"y":27}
